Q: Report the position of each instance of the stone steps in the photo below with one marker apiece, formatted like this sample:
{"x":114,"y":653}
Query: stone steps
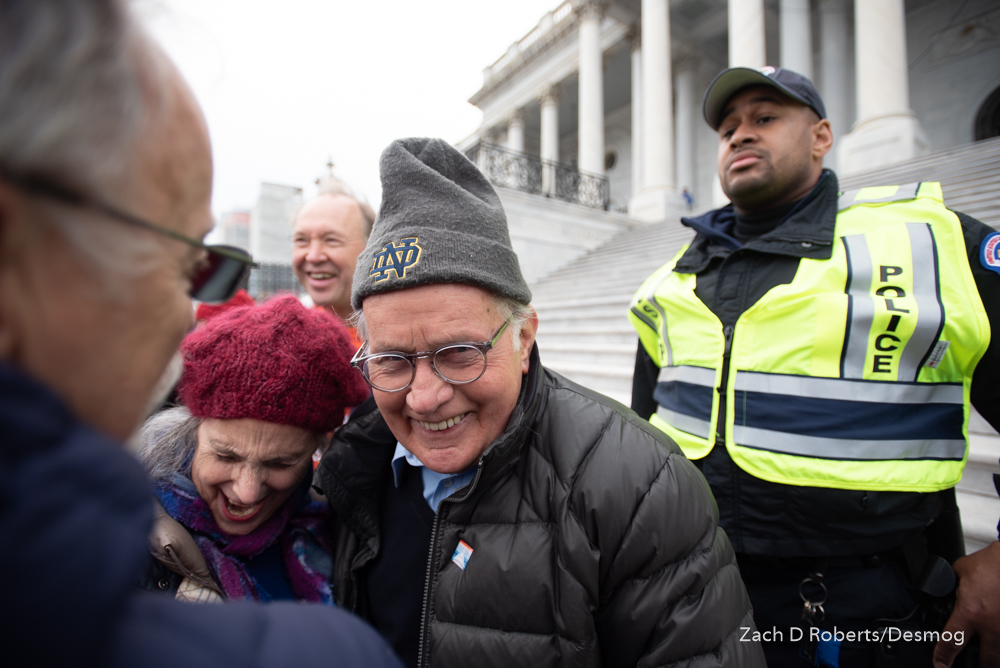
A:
{"x":584,"y":332}
{"x":969,"y":176}
{"x":977,"y":497}
{"x":567,"y":335}
{"x":647,"y":253}
{"x":598,"y":317}
{"x":942,"y":162}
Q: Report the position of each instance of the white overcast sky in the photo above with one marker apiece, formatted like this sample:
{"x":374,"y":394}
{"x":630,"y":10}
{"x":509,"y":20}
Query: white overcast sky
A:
{"x":286,"y":84}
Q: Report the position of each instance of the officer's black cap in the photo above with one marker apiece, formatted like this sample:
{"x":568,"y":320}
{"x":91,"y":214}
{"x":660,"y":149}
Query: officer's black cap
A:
{"x":731,"y":81}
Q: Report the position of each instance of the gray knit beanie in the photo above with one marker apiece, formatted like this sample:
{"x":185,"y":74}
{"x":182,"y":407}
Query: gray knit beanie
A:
{"x":440,"y":222}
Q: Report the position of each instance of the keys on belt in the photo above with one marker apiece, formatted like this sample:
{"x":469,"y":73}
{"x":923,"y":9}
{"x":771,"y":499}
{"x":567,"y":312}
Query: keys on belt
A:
{"x":812,"y":591}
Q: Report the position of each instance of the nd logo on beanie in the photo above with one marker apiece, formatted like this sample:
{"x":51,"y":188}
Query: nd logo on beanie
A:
{"x":440,"y":222}
{"x":395,"y":258}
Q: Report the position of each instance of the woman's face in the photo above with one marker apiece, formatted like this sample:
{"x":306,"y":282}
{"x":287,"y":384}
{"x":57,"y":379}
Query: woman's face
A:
{"x":246,"y":469}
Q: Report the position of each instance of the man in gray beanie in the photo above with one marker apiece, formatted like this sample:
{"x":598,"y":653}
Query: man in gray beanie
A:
{"x":489,"y":511}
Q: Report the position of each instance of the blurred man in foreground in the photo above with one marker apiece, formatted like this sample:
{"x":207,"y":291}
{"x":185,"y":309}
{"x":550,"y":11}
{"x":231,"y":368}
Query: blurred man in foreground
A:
{"x":105,"y":177}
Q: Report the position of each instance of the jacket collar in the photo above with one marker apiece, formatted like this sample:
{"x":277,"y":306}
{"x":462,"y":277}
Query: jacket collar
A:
{"x":353,"y":471}
{"x":33,"y":417}
{"x":807,"y":231}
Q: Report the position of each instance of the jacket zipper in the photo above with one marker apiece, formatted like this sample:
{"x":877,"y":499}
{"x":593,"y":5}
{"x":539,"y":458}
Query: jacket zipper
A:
{"x":815,"y":242}
{"x":720,"y":437}
{"x":427,"y":589}
{"x":425,"y":618}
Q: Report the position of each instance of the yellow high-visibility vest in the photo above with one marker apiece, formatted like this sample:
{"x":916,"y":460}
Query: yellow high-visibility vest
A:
{"x":855,"y":375}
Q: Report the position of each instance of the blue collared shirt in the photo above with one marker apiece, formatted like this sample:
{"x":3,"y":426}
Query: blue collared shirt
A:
{"x":437,"y":486}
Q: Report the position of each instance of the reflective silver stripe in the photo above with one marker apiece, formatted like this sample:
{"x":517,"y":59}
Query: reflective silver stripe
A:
{"x":930,"y":312}
{"x":846,"y":199}
{"x":685,"y":423}
{"x":905,"y":191}
{"x":637,"y":312}
{"x":862,"y":310}
{"x":695,"y":375}
{"x":850,"y":390}
{"x":840,"y":448}
{"x":651,"y":298}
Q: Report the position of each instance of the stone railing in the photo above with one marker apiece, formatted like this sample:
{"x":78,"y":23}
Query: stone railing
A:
{"x":531,"y":174}
{"x":546,"y":25}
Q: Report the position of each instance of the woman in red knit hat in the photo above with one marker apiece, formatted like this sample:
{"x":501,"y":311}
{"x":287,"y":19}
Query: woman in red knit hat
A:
{"x":231,"y":467}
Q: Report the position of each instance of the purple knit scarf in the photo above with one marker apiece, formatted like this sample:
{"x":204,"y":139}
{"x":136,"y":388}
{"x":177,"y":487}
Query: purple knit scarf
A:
{"x":299,"y":526}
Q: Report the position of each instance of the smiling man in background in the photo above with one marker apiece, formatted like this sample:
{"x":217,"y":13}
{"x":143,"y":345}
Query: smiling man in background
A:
{"x":328,"y":234}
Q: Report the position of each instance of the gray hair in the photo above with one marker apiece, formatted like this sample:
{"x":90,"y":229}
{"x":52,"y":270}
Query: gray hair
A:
{"x":338,"y":187}
{"x":509,"y":309}
{"x":79,"y":86}
{"x":367,"y":212}
{"x":75,"y":90}
{"x":166,"y":443}
{"x":517,"y":313}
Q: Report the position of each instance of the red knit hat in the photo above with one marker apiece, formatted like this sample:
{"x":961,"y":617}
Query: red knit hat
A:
{"x":278,"y":362}
{"x":206,"y":311}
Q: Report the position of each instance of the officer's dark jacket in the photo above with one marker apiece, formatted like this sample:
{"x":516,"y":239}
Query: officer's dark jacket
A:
{"x":765,"y":518}
{"x":595,"y":542}
{"x":75,"y":511}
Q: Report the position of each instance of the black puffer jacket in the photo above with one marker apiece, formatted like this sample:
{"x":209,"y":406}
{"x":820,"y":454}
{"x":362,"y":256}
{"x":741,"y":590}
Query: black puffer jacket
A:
{"x":596,"y":542}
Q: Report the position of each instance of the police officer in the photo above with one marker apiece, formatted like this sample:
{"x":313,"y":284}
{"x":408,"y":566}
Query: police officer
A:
{"x":816,"y":353}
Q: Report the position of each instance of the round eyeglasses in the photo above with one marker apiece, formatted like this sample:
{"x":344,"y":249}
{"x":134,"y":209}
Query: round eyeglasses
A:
{"x":456,"y":363}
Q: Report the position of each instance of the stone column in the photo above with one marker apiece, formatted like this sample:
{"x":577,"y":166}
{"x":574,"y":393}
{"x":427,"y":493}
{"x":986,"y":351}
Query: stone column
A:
{"x":658,"y":198}
{"x":687,"y":100}
{"x":746,"y":33}
{"x":515,"y":131}
{"x":796,"y":37}
{"x":635,"y":45}
{"x":833,"y":75}
{"x":887,"y":131}
{"x":591,"y":103}
{"x":549,"y":138}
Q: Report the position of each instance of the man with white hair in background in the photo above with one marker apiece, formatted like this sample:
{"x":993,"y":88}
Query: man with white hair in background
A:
{"x":105,"y":178}
{"x":328,"y":234}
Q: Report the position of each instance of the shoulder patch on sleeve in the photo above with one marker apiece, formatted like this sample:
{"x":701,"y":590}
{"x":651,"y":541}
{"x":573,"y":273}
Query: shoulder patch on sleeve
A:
{"x":989,"y":252}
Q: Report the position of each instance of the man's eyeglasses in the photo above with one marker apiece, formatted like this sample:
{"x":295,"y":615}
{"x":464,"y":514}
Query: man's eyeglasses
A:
{"x":216,"y":280}
{"x":456,"y":363}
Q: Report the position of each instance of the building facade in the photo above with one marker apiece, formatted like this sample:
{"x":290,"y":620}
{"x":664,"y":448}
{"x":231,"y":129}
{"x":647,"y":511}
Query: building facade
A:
{"x":600,"y":105}
{"x":271,"y":222}
{"x":235,"y":228}
{"x":270,"y":238}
